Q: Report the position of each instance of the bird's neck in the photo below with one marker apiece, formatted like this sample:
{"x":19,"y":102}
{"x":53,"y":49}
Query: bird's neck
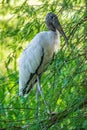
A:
{"x":57,"y":35}
{"x":57,"y":32}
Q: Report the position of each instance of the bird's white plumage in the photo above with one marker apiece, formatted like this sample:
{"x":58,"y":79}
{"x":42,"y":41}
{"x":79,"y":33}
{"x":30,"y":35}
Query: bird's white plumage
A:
{"x":44,"y":43}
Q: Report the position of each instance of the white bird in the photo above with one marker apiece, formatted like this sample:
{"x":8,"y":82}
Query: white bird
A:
{"x":38,"y":53}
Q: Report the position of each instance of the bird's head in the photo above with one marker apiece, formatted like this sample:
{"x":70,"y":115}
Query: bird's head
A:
{"x":54,"y":24}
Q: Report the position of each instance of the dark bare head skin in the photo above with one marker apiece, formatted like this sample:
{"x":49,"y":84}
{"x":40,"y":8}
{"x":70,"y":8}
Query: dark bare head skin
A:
{"x":54,"y":24}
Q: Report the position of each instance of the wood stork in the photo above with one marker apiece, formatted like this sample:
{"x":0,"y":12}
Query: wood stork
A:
{"x":38,"y":53}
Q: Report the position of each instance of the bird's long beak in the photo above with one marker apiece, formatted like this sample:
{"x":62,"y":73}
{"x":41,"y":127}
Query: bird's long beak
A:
{"x":60,"y":29}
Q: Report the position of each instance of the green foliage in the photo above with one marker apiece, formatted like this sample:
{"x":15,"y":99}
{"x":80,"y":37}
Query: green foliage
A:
{"x":64,"y":83}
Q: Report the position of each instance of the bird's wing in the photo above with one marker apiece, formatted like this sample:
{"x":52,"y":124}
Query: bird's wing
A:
{"x":30,"y":61}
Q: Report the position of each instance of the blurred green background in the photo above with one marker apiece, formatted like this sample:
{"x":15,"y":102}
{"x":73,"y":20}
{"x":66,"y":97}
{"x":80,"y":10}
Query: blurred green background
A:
{"x":64,"y":84}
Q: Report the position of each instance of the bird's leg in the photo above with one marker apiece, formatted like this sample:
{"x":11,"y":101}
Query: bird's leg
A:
{"x":37,"y":93}
{"x":40,"y":91}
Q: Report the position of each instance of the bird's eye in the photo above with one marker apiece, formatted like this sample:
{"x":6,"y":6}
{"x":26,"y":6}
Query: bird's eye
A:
{"x":52,"y":17}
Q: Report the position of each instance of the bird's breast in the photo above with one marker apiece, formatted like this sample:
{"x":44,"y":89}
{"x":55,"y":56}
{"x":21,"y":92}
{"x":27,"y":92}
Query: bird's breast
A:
{"x":52,"y":43}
